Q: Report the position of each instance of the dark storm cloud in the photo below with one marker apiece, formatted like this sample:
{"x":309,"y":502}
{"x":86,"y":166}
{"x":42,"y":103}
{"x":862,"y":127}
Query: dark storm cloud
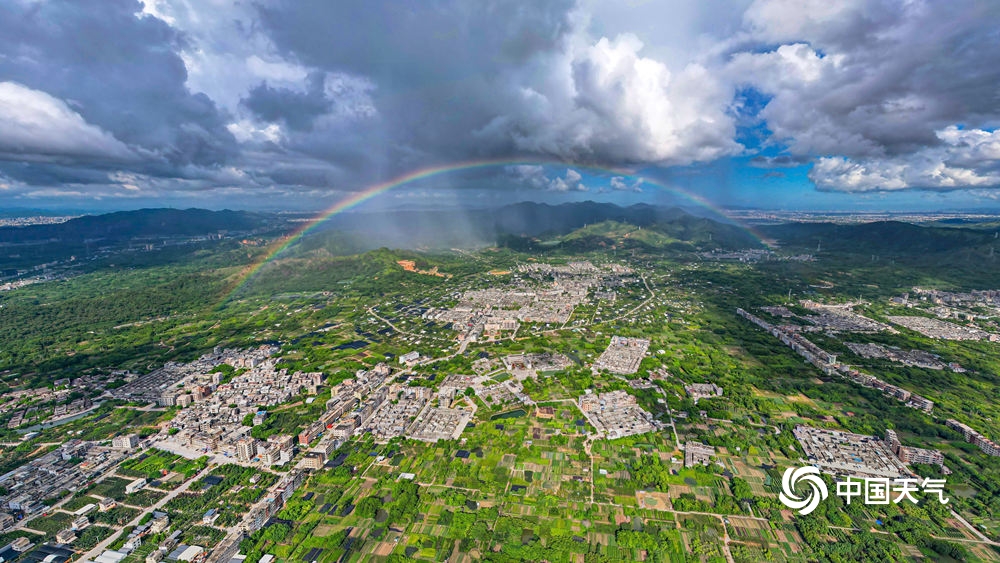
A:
{"x":308,"y":96}
{"x":118,"y":72}
{"x":872,"y":78}
{"x":296,"y":109}
{"x":459,"y":81}
{"x":416,"y":44}
{"x":440,"y":68}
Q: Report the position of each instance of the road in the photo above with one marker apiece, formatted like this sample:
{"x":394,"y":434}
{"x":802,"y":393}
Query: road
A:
{"x":371,"y":311}
{"x":99,"y":548}
{"x":973,"y":529}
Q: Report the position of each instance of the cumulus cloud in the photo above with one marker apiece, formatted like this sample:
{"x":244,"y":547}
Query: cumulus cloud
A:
{"x":308,"y":96}
{"x":535,"y":176}
{"x":34,"y":124}
{"x":616,"y":106}
{"x":572,"y":181}
{"x":872,"y":77}
{"x":965,"y":159}
{"x":120,"y":72}
{"x":621,"y":184}
{"x":560,"y":94}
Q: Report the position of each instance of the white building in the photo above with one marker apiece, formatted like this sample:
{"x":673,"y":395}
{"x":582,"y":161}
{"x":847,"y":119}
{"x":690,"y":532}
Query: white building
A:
{"x":126,"y":442}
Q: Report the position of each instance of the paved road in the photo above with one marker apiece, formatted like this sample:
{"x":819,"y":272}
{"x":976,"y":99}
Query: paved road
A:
{"x":99,"y":548}
{"x":973,"y":529}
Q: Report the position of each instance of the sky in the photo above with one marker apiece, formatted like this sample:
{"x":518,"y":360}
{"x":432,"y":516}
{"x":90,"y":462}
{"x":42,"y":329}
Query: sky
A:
{"x":880,"y":105}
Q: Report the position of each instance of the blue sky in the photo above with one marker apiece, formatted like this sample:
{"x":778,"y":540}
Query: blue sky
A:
{"x":879,"y":105}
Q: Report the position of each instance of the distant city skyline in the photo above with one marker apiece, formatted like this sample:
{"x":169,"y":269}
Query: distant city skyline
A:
{"x":862,"y":105}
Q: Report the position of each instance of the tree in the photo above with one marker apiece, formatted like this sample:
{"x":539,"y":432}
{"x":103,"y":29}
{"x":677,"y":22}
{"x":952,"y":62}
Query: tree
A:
{"x":367,"y":507}
{"x":275,"y":533}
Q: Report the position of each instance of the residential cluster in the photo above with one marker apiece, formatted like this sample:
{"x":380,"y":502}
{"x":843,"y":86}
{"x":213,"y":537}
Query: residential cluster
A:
{"x":616,"y":414}
{"x":399,"y":413}
{"x":840,"y":318}
{"x":915,"y":358}
{"x":161,"y":386}
{"x":48,"y":475}
{"x":552,"y":299}
{"x":212,"y":420}
{"x":753,"y":255}
{"x":352,"y":404}
{"x":29,"y":406}
{"x":440,"y":424}
{"x":623,"y":355}
{"x":696,"y":453}
{"x":847,"y":454}
{"x":938,"y":329}
{"x":789,"y":335}
{"x":522,"y":366}
{"x":987,"y":298}
{"x":703,"y":391}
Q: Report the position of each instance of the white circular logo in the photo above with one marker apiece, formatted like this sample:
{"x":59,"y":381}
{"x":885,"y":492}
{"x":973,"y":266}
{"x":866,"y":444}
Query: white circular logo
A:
{"x":809,"y":475}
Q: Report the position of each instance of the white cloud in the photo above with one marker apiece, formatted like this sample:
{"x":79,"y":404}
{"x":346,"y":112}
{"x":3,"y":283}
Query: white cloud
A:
{"x":602,"y":100}
{"x":572,"y":181}
{"x":35,"y":124}
{"x":534,"y":176}
{"x":621,"y":184}
{"x":276,"y":71}
{"x":249,"y":130}
{"x":784,"y":21}
{"x":964,"y":159}
{"x":225,"y":52}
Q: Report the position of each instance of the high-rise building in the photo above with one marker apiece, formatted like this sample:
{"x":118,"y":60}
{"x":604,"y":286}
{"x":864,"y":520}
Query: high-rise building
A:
{"x":246,"y":449}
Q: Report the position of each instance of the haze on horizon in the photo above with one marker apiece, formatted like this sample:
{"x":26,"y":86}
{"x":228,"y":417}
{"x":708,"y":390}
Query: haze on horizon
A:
{"x":888,"y":105}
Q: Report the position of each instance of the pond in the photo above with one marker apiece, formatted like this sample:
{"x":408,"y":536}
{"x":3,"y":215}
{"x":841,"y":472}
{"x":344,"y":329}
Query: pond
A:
{"x":509,"y":414}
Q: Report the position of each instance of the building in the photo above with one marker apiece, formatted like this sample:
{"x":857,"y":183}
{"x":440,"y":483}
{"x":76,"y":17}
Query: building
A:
{"x":696,"y":453}
{"x":159,"y":524}
{"x":106,"y":503}
{"x":310,"y":433}
{"x":703,"y":391}
{"x":344,"y":429}
{"x":126,"y":442}
{"x":132,"y":543}
{"x":66,"y":536}
{"x":246,"y":449}
{"x":908,"y":454}
{"x":6,"y":520}
{"x":988,"y":446}
{"x":80,"y":523}
{"x":314,"y":460}
{"x":409,"y":359}
{"x":269,"y":455}
{"x":259,"y":418}
{"x":920,"y":455}
{"x":210,"y":516}
{"x":135,"y":486}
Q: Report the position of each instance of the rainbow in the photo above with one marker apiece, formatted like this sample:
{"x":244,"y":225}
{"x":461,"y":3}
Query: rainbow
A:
{"x":368,"y":193}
